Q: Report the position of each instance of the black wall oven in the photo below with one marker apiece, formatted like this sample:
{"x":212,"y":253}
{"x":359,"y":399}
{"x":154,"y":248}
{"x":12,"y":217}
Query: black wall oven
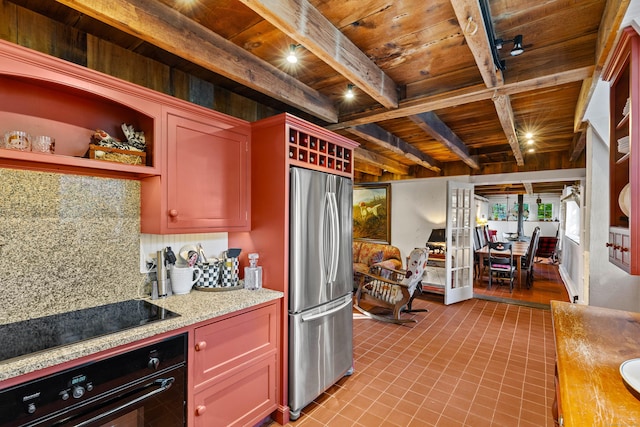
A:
{"x":144,"y":387}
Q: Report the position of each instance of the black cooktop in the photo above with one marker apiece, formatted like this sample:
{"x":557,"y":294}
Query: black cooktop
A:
{"x":43,"y":333}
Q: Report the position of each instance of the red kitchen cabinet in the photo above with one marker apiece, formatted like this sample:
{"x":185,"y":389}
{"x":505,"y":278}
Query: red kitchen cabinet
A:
{"x":623,"y":71}
{"x":43,"y":95}
{"x":196,"y":176}
{"x":205,"y":185}
{"x":235,"y":369}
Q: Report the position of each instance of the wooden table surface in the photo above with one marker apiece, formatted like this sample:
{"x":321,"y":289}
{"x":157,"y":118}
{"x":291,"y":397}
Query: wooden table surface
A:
{"x":520,"y":249}
{"x":591,"y":343}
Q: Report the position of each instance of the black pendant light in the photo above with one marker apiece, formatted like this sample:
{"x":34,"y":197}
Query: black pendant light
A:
{"x":539,"y":200}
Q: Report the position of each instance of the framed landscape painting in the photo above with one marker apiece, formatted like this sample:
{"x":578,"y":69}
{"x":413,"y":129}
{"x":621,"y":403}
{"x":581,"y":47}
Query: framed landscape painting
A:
{"x":372,"y":213}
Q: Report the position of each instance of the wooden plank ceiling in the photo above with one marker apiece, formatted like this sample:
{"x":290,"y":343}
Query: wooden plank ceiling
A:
{"x":430,"y":100}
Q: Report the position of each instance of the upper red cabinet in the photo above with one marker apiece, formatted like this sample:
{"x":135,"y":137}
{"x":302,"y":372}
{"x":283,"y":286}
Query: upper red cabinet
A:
{"x":623,"y":72}
{"x":43,"y":95}
{"x":205,"y":185}
{"x":196,"y":173}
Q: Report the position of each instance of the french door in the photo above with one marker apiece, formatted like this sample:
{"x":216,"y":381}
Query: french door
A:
{"x":459,"y":260}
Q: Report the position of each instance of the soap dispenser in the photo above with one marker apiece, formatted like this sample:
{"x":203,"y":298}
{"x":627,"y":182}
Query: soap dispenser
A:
{"x":253,"y":273}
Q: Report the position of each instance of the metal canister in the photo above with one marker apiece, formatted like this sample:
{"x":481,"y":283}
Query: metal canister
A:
{"x":230,"y":272}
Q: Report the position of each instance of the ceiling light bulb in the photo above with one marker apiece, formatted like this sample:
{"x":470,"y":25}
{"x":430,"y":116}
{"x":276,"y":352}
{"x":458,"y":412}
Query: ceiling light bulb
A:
{"x":532,"y":150}
{"x":292,"y":58}
{"x":530,"y":142}
{"x":528,"y":135}
{"x":349,"y":94}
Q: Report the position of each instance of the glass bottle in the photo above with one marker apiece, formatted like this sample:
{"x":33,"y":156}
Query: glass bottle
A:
{"x":253,"y":273}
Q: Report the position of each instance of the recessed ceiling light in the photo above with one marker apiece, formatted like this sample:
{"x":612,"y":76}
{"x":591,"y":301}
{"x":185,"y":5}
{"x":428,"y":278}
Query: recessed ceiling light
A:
{"x":349,"y":93}
{"x":531,"y":150}
{"x":530,"y":142}
{"x":528,"y":135}
{"x":292,"y":58}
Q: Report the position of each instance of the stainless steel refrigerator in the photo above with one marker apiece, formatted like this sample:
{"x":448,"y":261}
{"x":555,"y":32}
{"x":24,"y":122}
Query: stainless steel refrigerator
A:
{"x":320,"y":284}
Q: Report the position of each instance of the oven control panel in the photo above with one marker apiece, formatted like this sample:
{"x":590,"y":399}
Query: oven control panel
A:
{"x":33,"y":400}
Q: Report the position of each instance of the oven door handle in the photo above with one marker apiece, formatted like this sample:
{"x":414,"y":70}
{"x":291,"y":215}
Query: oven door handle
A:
{"x":163,"y":383}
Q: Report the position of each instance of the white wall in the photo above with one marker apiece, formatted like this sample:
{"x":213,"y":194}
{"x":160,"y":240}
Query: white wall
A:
{"x":605,"y":284}
{"x":417,"y":207}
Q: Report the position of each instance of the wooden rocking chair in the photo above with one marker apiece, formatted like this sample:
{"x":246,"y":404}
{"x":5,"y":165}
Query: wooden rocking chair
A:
{"x":392,"y":289}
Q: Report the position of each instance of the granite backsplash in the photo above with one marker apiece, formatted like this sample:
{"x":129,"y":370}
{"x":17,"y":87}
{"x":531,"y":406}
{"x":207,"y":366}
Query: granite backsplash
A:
{"x":66,"y":242}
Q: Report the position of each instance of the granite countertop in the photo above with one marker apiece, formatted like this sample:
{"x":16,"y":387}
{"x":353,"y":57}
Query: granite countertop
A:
{"x":193,"y":308}
{"x":591,"y":343}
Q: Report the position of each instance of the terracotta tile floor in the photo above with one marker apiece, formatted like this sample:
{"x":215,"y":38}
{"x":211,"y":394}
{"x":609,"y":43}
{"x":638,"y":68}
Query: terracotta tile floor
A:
{"x":476,"y":363}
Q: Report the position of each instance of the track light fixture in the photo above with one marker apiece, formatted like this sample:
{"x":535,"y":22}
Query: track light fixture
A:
{"x":292,"y":58}
{"x":517,"y":45}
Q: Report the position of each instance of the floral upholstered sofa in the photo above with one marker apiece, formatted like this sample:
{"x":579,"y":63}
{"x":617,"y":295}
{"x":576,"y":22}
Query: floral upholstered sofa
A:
{"x":367,"y":255}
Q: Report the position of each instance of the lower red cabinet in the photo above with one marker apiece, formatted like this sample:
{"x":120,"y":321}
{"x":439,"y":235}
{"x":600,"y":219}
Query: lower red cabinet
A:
{"x":235,"y":369}
{"x":243,"y":398}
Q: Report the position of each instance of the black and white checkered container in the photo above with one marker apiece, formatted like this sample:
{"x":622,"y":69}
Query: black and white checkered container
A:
{"x":229,"y":272}
{"x":210,"y":277}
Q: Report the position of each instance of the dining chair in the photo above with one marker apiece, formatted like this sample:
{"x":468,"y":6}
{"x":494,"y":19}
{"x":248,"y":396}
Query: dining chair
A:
{"x":476,"y":257}
{"x":501,"y":262}
{"x":482,"y":240}
{"x":528,"y":260}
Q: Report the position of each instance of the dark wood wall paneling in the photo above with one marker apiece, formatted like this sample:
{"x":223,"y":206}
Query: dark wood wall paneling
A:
{"x":37,"y":32}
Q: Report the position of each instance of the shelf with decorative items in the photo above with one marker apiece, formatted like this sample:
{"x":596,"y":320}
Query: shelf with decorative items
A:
{"x":320,"y":151}
{"x":51,"y":111}
{"x":623,"y":73}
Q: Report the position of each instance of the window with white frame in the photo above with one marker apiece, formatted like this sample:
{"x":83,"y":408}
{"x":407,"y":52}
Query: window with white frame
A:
{"x":545,"y":211}
{"x":572,"y":225}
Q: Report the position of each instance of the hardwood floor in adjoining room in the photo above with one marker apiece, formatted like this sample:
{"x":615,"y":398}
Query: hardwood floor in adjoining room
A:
{"x":547,"y":286}
{"x":476,"y":363}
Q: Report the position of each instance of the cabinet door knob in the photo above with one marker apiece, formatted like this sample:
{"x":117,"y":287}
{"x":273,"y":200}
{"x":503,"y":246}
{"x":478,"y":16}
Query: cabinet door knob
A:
{"x":173,"y":213}
{"x":200,"y":409}
{"x":201,"y":345}
{"x":623,"y":249}
{"x":609,"y":244}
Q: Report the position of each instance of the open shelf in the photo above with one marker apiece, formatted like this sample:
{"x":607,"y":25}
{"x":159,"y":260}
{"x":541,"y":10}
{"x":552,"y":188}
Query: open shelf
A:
{"x":42,"y":95}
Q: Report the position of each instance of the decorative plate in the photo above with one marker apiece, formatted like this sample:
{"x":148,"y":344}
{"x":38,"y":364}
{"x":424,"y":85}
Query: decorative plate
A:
{"x":624,"y":199}
{"x":630,"y":371}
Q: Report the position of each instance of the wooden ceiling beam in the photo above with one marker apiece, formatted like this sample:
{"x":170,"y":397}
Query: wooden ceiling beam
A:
{"x":475,"y":34}
{"x":505,"y":115}
{"x":377,"y":135}
{"x":362,"y":155}
{"x":528,"y":187}
{"x":461,"y":96}
{"x":367,"y":168}
{"x":431,"y":123}
{"x":172,"y":31}
{"x":579,"y":142}
{"x":305,"y":24}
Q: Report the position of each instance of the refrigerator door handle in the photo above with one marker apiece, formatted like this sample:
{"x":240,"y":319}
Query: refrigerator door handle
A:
{"x":335,"y":237}
{"x":326,"y":269}
{"x":324,"y":314}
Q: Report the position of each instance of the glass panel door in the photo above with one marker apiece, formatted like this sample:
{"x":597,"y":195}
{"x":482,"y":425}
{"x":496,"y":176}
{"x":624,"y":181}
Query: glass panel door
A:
{"x":459,"y":261}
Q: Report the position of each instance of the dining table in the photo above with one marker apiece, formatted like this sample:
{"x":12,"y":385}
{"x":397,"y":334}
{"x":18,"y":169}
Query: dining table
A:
{"x":520,"y":250}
